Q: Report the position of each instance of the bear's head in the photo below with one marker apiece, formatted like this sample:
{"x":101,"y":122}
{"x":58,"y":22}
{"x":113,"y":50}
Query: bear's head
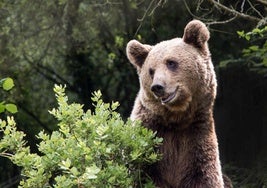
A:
{"x":176,"y":73}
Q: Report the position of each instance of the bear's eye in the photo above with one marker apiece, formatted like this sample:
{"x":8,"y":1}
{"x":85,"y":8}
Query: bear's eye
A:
{"x":171,"y":65}
{"x":151,"y":72}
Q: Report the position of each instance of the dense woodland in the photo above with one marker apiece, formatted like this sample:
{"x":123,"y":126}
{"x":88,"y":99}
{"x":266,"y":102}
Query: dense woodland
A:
{"x":81,"y":44}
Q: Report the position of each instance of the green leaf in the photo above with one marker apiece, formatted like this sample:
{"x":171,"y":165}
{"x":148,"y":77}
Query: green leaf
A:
{"x":241,"y":33}
{"x":2,"y":107}
{"x":62,"y":2}
{"x":139,"y":37}
{"x":67,"y":163}
{"x":12,"y":108}
{"x":8,"y":84}
{"x":224,"y":64}
{"x":91,"y":172}
{"x":247,"y":37}
{"x":254,"y":48}
{"x":264,"y":62}
{"x":119,"y":41}
{"x":74,"y":171}
{"x":256,"y":30}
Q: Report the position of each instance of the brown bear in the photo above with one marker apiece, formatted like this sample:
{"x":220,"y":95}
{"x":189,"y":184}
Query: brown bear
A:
{"x":176,"y":98}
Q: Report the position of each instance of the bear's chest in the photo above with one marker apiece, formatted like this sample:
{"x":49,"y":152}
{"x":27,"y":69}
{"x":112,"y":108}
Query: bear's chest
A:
{"x":175,"y":151}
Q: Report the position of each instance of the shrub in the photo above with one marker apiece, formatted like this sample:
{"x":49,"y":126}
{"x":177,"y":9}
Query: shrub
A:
{"x":89,"y":149}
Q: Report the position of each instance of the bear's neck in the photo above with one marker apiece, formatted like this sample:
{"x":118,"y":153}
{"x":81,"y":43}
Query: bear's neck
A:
{"x":171,"y":120}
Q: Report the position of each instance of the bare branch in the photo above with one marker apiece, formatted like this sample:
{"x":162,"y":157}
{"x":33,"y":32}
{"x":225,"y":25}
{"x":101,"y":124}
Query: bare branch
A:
{"x":160,"y":3}
{"x":106,"y":3}
{"x":193,"y":15}
{"x":189,"y":11}
{"x":221,"y":22}
{"x":149,"y":11}
{"x":47,"y":73}
{"x":235,"y":12}
{"x":253,"y":7}
{"x":149,"y":6}
{"x":242,"y":6}
{"x":7,"y":155}
{"x":264,"y":2}
{"x":208,"y":22}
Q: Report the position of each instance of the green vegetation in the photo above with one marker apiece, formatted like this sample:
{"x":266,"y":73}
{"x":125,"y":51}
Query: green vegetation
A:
{"x":90,"y":149}
{"x":256,"y":54}
{"x":81,"y":44}
{"x":7,"y":84}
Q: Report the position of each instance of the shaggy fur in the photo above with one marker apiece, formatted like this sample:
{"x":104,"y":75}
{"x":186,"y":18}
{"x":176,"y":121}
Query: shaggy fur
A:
{"x":176,"y":97}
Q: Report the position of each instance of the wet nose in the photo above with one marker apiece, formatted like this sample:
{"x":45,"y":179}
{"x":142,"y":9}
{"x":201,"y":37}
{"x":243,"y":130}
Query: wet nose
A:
{"x":158,"y":90}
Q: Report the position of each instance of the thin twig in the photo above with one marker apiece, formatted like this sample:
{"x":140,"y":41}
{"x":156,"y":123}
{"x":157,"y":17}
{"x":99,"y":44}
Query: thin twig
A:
{"x":208,"y":22}
{"x":106,"y":3}
{"x":7,"y":155}
{"x":160,"y":2}
{"x":142,"y":19}
{"x":258,"y":12}
{"x":242,"y":6}
{"x":220,"y":31}
{"x":221,"y":22}
{"x":193,"y":15}
{"x":146,"y":12}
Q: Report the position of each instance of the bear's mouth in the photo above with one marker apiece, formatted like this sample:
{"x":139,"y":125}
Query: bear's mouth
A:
{"x":168,"y":98}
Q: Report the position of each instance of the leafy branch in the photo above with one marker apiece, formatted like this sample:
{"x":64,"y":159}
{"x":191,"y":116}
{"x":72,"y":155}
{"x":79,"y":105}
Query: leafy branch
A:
{"x":89,"y":149}
{"x":7,"y":84}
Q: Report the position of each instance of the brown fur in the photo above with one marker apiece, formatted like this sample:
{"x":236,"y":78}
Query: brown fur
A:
{"x":176,"y":97}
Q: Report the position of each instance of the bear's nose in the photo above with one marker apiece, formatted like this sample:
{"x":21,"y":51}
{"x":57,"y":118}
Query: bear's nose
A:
{"x":158,"y":90}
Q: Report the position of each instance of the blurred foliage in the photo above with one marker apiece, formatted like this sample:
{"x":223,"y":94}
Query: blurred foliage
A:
{"x":60,"y":42}
{"x":90,"y":149}
{"x":255,"y":55}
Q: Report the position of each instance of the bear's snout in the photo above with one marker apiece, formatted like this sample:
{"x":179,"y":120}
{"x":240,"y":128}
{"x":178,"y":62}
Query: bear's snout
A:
{"x":158,"y":90}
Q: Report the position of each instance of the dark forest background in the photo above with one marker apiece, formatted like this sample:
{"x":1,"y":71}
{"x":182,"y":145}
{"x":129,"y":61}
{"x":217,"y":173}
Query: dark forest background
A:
{"x":81,"y":43}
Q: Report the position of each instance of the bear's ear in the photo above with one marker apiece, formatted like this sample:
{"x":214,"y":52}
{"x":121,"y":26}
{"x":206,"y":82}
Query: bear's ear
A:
{"x":137,"y":52}
{"x":197,"y":34}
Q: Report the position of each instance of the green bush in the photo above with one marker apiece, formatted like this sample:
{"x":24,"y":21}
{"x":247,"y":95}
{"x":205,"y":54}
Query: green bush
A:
{"x":90,"y":149}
